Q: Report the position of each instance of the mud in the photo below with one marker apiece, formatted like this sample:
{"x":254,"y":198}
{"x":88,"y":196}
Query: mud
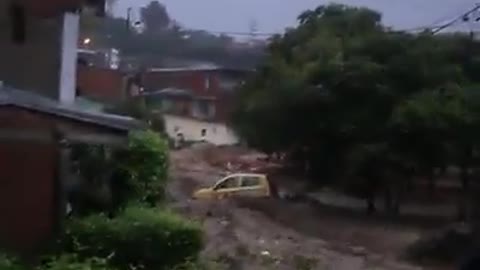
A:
{"x":276,"y":234}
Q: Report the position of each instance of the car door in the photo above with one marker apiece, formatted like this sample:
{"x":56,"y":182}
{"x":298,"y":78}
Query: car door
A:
{"x":251,"y":186}
{"x":227,"y":187}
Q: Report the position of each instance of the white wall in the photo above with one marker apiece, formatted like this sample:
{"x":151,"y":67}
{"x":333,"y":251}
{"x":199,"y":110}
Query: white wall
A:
{"x":68,"y":65}
{"x":216,"y":133}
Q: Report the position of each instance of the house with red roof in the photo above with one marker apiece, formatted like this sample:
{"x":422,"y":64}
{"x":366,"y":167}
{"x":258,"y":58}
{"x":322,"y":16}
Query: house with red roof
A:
{"x":195,"y":101}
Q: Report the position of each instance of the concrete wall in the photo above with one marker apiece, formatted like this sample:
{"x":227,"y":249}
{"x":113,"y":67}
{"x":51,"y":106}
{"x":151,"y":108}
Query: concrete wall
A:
{"x":34,"y":65}
{"x":216,"y":133}
{"x":68,"y":53}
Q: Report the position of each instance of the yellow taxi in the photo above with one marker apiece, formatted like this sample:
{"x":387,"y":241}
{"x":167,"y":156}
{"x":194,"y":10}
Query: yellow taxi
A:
{"x":239,"y":184}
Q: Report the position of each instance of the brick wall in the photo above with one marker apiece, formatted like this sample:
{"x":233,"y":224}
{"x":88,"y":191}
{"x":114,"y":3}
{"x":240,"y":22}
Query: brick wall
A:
{"x":27,"y":175}
{"x":191,"y":80}
{"x":100,"y":83}
{"x":195,"y":82}
{"x":26,"y":194}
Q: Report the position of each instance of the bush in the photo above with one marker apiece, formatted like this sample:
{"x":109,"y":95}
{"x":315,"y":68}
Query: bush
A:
{"x":10,"y":263}
{"x":138,"y":237}
{"x":64,"y":262}
{"x":145,"y":165}
{"x":71,"y":262}
{"x":114,"y":177}
{"x":447,"y":245}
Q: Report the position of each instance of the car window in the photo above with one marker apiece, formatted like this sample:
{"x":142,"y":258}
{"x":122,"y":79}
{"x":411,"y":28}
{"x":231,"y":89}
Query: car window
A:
{"x":231,"y":182}
{"x":250,"y":181}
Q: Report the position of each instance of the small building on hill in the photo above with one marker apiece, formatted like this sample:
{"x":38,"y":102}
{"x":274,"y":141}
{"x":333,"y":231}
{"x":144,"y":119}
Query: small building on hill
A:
{"x":195,"y":101}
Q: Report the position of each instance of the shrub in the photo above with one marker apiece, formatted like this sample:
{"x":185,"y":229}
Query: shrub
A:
{"x":446,"y":245}
{"x":145,"y":165}
{"x":71,"y":262}
{"x":138,"y":237}
{"x":63,"y":262}
{"x":115,"y":177}
{"x":10,"y":263}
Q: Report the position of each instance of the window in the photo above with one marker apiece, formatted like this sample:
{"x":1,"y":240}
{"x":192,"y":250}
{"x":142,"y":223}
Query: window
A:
{"x":207,"y":82}
{"x":18,"y":21}
{"x":204,"y":132}
{"x":231,"y":182}
{"x":203,"y":109}
{"x":250,"y":181}
{"x":167,"y":105}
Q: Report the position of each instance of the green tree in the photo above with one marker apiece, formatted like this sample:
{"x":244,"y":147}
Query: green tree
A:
{"x":350,"y":99}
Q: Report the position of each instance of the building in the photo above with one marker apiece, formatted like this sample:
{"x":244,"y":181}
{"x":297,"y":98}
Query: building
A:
{"x":105,"y":85}
{"x":103,"y":79}
{"x":106,"y":58}
{"x":32,"y":130}
{"x":39,"y":117}
{"x":195,"y":101}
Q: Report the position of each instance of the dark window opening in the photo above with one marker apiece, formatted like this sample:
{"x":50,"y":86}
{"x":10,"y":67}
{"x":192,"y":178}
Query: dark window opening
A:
{"x":82,"y":62}
{"x":18,"y":22}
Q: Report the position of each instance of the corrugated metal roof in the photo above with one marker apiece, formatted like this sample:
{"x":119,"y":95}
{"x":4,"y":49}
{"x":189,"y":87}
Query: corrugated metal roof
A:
{"x":169,"y":92}
{"x":176,"y":92}
{"x":198,"y":67}
{"x":89,"y":105}
{"x":28,"y":100}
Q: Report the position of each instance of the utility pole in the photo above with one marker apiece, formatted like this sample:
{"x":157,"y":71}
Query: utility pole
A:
{"x":129,"y":11}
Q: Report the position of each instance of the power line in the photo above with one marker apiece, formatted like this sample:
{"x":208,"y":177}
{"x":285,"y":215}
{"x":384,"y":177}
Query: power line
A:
{"x":459,"y":18}
{"x":435,"y":26}
{"x":232,"y":33}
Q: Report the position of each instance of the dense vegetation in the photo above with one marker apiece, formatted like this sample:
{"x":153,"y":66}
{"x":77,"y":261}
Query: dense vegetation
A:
{"x":116,"y":220}
{"x":135,"y":239}
{"x":362,"y":107}
{"x":111,"y":178}
{"x":160,"y":38}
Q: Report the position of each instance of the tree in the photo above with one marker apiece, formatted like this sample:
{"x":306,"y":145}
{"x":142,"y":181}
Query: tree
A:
{"x":310,"y":71}
{"x":358,"y":104}
{"x":155,"y":17}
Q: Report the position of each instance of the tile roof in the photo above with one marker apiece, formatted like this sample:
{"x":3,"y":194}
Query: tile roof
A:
{"x":32,"y":101}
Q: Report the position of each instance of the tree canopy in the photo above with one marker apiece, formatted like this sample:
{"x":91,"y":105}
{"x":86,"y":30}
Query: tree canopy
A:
{"x":161,"y":37}
{"x":350,"y":97}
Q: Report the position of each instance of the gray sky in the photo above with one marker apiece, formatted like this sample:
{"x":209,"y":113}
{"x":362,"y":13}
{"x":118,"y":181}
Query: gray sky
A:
{"x":275,"y":15}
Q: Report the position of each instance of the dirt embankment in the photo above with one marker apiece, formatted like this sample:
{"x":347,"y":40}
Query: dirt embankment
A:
{"x":274,"y":234}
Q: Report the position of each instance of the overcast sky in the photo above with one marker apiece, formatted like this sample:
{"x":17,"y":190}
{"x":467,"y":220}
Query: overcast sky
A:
{"x":275,"y":15}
